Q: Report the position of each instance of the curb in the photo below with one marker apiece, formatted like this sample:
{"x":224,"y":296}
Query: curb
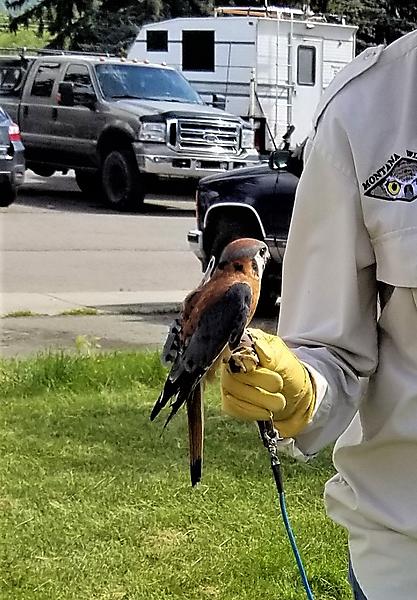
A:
{"x":123,"y":303}
{"x":156,"y":308}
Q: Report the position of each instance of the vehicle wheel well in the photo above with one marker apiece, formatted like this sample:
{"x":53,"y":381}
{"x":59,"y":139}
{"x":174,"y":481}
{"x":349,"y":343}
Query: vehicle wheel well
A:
{"x":226,"y":223}
{"x":113,"y":139}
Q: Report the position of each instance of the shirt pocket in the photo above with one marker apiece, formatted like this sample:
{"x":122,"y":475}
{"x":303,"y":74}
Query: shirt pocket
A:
{"x":396,"y":257}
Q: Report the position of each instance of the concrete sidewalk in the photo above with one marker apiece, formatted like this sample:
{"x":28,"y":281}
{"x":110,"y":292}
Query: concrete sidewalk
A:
{"x":124,"y":321}
{"x":51,"y":304}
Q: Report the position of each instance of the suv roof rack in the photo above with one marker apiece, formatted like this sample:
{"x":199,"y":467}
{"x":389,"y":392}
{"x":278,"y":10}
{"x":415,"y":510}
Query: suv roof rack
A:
{"x":24,"y":52}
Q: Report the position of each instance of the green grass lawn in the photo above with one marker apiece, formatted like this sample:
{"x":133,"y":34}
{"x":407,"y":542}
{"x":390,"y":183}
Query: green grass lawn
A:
{"x":25,"y":38}
{"x":95,"y":504}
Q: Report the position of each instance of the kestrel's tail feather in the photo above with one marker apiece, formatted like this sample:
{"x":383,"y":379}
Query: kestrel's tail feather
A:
{"x":195,"y":411}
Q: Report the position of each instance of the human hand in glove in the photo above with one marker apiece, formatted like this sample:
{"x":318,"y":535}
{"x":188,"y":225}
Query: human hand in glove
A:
{"x":265,"y":379}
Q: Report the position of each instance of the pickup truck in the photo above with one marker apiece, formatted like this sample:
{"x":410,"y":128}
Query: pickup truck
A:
{"x":117,"y":122}
{"x":253,"y":202}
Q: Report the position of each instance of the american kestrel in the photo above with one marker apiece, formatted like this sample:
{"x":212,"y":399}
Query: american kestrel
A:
{"x":211,"y":323}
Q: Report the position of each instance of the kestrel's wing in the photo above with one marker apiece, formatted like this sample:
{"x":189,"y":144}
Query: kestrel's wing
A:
{"x":172,"y":343}
{"x":221,"y":323}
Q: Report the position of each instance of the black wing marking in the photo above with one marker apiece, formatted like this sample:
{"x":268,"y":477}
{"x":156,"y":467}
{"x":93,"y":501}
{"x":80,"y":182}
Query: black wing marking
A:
{"x":172,"y":343}
{"x":222,"y":323}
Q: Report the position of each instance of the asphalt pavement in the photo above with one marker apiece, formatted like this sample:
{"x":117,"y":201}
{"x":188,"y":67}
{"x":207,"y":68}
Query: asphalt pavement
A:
{"x":63,"y":254}
{"x":132,"y":271}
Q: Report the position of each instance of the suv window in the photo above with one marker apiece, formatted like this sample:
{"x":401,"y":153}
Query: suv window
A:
{"x":11,"y":76}
{"x":45,"y":79}
{"x":79,"y":76}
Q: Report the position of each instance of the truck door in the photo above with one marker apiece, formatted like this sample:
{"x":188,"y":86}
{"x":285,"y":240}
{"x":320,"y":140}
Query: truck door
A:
{"x":77,"y":126}
{"x":37,"y":112}
{"x":308,"y":84}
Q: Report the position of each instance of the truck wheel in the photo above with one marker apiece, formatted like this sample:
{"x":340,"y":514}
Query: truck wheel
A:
{"x":121,"y":180}
{"x":7,"y":194}
{"x":88,"y":182}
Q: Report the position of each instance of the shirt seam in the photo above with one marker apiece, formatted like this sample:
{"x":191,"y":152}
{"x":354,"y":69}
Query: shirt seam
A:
{"x":336,"y":165}
{"x":393,"y":234}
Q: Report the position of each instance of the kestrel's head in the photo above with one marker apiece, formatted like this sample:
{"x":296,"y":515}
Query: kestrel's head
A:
{"x":245,"y":252}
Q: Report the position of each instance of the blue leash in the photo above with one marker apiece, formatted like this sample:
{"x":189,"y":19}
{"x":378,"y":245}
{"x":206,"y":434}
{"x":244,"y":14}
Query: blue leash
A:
{"x":270,"y":439}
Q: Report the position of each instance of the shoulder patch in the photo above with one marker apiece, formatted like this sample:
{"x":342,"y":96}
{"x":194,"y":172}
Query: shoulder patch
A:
{"x":359,"y":65}
{"x":395,"y":180}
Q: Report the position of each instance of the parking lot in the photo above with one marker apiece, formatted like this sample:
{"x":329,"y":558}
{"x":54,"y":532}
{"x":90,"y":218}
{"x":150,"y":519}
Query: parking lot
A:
{"x":56,"y":240}
{"x":61,"y":251}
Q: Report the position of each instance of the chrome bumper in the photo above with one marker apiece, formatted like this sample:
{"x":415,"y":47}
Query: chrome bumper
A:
{"x":177,"y":165}
{"x":195,"y":243}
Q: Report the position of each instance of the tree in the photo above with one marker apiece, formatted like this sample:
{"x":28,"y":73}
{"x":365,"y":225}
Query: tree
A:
{"x":112,"y":24}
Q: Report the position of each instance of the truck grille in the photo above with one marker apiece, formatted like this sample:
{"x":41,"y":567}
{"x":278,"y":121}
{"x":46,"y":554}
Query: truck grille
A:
{"x":216,"y":136}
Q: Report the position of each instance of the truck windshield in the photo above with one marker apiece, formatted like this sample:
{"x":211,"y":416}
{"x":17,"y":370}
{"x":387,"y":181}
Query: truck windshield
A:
{"x":145,"y":83}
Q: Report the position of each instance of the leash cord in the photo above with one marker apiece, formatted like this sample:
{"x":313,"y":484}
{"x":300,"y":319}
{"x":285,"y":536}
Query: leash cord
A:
{"x":269,"y":437}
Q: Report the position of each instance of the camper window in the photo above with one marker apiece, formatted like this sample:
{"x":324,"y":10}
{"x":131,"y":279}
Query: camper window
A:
{"x":157,"y":41}
{"x":198,"y":50}
{"x":306,"y":65}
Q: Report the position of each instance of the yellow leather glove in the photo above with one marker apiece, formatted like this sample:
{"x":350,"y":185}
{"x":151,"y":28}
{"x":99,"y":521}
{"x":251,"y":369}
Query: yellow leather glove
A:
{"x":266,"y":379}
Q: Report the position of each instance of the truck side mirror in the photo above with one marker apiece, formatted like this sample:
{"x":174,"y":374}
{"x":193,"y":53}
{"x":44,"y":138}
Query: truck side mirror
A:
{"x":219,"y":101}
{"x":66,"y":93}
{"x":278,"y":159}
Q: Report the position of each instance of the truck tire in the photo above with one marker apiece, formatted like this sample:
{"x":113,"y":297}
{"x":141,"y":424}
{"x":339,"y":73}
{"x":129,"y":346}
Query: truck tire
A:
{"x":7,"y":194}
{"x":88,"y":182}
{"x":122,"y":184}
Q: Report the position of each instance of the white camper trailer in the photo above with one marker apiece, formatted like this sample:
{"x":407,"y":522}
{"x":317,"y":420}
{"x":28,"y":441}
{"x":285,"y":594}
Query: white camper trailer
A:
{"x":271,"y":65}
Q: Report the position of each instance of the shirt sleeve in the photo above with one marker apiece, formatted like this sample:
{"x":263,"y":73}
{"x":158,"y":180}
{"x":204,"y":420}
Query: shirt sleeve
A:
{"x":329,"y":295}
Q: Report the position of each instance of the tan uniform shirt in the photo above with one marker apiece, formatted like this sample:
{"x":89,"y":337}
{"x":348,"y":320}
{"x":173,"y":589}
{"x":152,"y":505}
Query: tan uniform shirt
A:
{"x":354,"y":234}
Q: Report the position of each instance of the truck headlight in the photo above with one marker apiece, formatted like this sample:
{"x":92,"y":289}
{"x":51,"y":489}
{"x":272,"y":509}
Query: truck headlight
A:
{"x":248,"y":138}
{"x":152,"y":132}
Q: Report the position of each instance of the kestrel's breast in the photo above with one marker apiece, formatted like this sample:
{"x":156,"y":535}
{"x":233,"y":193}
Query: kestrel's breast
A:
{"x":213,"y":292}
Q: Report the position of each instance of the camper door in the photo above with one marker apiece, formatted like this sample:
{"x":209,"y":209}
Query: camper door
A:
{"x":308,"y":85}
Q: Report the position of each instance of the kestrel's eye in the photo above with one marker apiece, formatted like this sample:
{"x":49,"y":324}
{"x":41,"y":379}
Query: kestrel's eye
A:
{"x":393,"y":187}
{"x":262,"y":251}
